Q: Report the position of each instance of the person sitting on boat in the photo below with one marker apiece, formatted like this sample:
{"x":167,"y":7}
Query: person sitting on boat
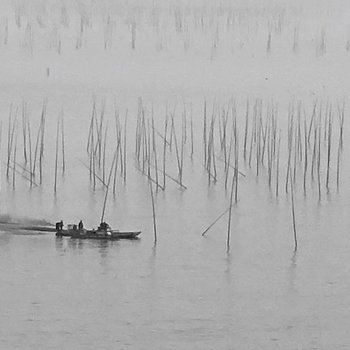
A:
{"x":59,"y":225}
{"x":80,"y":225}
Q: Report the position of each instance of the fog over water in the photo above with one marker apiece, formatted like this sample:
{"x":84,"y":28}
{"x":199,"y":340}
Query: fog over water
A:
{"x":272,"y":75}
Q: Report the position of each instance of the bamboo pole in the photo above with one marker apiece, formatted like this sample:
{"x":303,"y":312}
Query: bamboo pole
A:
{"x":9,"y":142}
{"x":230,"y":215}
{"x":164,"y":148}
{"x":125,"y":124}
{"x":319,"y":162}
{"x":153,"y":213}
{"x":24,"y":128}
{"x":215,"y":221}
{"x":108,"y":183}
{"x":30,"y":153}
{"x":43,"y":115}
{"x":293,"y":216}
{"x":56,"y":158}
{"x":278,"y":163}
{"x":246,"y":131}
{"x":305,"y":156}
{"x":329,"y":146}
{"x":62,"y":140}
{"x":14,"y":166}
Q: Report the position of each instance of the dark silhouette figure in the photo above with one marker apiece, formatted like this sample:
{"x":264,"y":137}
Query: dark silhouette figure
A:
{"x":103,"y":226}
{"x":59,"y":225}
{"x":80,"y":225}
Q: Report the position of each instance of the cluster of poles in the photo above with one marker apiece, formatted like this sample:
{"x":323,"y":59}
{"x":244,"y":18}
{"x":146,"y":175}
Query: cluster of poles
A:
{"x":312,"y":145}
{"x":187,"y":22}
{"x":31,"y":169}
{"x":96,"y":147}
{"x":309,"y":153}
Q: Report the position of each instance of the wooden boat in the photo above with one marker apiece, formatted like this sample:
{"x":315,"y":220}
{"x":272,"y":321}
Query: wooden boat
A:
{"x":104,"y":232}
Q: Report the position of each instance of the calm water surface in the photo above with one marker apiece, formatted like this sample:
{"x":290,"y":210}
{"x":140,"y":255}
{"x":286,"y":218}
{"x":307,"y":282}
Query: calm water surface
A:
{"x":186,"y":291}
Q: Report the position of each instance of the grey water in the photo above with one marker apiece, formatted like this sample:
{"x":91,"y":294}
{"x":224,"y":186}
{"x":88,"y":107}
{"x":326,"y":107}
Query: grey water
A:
{"x":185,"y":291}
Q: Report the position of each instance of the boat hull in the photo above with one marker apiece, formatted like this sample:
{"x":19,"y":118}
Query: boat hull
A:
{"x":102,"y":235}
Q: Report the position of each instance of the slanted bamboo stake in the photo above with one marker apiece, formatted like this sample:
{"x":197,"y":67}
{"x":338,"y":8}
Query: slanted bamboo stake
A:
{"x":253,"y":132}
{"x":230,"y":214}
{"x":153,"y":213}
{"x":108,"y":183}
{"x":97,"y":177}
{"x":229,"y":165}
{"x":169,"y":177}
{"x":293,"y":216}
{"x":21,"y":173}
{"x":312,"y":121}
{"x":215,"y":221}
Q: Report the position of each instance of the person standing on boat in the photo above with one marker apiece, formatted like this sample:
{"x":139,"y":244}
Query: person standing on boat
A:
{"x":80,"y":225}
{"x":59,"y":226}
{"x":103,"y":226}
